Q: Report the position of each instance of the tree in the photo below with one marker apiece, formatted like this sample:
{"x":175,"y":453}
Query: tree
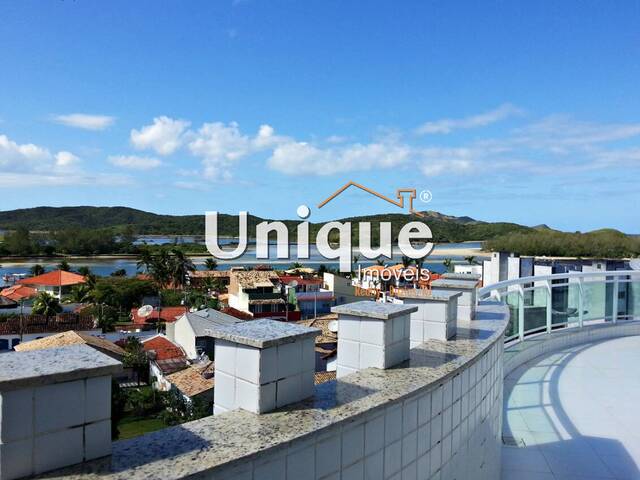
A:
{"x":36,"y":270}
{"x":84,"y":271}
{"x":135,"y":357}
{"x":211,"y":264}
{"x":121,"y":272}
{"x":471,"y":259}
{"x":81,"y":293}
{"x":448,"y":263}
{"x":180,"y":266}
{"x":47,"y":305}
{"x":406,"y":261}
{"x":19,"y":242}
{"x":64,"y":266}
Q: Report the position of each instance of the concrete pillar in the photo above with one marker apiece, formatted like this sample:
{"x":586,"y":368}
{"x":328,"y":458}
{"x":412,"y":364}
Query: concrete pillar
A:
{"x":466,"y":302}
{"x":436,"y":317}
{"x":262,"y":365}
{"x":372,"y":334}
{"x":55,"y":409}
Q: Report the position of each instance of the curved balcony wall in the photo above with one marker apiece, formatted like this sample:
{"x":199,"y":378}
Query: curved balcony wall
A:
{"x":437,"y":416}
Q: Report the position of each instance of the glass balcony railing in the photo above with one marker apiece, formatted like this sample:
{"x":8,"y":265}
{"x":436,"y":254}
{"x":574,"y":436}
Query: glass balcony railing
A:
{"x":544,"y":303}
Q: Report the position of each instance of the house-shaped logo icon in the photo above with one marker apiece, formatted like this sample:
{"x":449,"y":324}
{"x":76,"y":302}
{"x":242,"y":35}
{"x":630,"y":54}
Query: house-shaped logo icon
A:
{"x":401,"y":193}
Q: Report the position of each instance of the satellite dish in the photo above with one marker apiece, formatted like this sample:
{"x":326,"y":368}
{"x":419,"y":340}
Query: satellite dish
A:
{"x":333,"y":326}
{"x":293,"y":283}
{"x":145,"y":311}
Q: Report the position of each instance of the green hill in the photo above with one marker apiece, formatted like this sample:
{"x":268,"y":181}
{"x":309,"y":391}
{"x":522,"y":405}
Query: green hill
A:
{"x":120,"y":219}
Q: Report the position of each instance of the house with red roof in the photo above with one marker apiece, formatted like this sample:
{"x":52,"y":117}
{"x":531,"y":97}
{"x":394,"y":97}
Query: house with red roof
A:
{"x":56,"y":283}
{"x":165,"y":314}
{"x":18,"y":293}
{"x":165,"y":358}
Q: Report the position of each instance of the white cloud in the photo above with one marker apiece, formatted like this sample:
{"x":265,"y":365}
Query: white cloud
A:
{"x":447,"y":125}
{"x":301,"y":158}
{"x":222,"y":145}
{"x":66,"y":159}
{"x":23,"y":180}
{"x":164,"y":136}
{"x":85,"y":121}
{"x":14,"y":156}
{"x":134,"y":162}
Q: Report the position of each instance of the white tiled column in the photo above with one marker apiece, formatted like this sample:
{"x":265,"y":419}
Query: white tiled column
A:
{"x":436,"y":317}
{"x":262,"y":365}
{"x":466,"y":302}
{"x":372,"y":334}
{"x":55,"y":409}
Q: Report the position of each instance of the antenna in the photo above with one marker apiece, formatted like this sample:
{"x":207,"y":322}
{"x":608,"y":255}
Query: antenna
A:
{"x":145,"y":311}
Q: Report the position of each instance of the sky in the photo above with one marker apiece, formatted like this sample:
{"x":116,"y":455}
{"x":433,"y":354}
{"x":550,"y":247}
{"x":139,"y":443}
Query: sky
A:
{"x":526,"y":112}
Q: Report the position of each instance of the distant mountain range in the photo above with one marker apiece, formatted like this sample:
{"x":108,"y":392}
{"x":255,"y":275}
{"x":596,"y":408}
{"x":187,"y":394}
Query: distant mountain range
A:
{"x":446,"y":228}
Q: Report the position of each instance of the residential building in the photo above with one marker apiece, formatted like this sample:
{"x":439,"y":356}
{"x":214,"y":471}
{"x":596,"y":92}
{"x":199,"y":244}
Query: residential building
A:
{"x":56,"y":283}
{"x":19,"y":293}
{"x":310,"y":296}
{"x":16,"y":330}
{"x":162,"y":315}
{"x":343,"y":289}
{"x":190,"y":331}
{"x":165,"y":358}
{"x":196,"y":382}
{"x":258,"y":292}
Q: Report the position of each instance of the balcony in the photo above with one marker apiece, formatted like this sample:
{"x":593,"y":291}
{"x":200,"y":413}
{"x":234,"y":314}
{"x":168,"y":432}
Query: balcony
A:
{"x":548,"y":366}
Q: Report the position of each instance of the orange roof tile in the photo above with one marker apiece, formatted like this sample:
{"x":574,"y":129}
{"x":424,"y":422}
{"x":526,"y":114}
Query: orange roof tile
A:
{"x":18,"y":292}
{"x":167,"y":314}
{"x":57,"y":278}
{"x":164,"y":348}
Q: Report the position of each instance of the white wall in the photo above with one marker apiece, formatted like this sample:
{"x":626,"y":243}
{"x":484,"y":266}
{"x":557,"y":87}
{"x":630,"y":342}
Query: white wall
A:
{"x":185,"y":337}
{"x":451,"y":430}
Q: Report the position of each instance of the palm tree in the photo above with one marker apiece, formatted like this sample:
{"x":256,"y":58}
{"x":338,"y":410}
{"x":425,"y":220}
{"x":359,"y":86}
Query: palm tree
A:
{"x":81,"y":293}
{"x":448,"y":263}
{"x":380,"y":261}
{"x":84,"y":271}
{"x":406,"y":261}
{"x":36,"y":270}
{"x":47,"y":305}
{"x":180,"y":266}
{"x":64,"y":266}
{"x":211,"y":264}
{"x":145,"y":260}
{"x":471,"y":259}
{"x":161,"y":268}
{"x":297,"y":265}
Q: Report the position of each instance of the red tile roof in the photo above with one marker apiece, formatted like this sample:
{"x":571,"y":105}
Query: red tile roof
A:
{"x":234,"y":312}
{"x":166,"y":314}
{"x":18,"y":292}
{"x":57,"y":278}
{"x":300,"y":280}
{"x":164,"y":348}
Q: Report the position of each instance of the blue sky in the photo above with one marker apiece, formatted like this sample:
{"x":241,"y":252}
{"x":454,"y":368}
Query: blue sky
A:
{"x":514,"y":111}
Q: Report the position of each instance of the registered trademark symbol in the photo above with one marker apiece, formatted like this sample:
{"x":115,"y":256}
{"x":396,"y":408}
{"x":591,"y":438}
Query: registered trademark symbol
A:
{"x":426,"y":196}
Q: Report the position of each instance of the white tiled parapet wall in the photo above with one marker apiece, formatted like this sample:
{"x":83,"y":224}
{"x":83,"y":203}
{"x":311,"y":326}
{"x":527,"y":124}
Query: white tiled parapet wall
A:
{"x":466,"y":302}
{"x":436,"y":317}
{"x":372,"y":334}
{"x":262,"y":365}
{"x":55,"y":409}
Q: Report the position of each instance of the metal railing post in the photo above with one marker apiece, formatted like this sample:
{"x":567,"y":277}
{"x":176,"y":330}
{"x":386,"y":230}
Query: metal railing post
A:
{"x":549,"y":306}
{"x":580,"y":302}
{"x":616,"y":290}
{"x":520,"y":313}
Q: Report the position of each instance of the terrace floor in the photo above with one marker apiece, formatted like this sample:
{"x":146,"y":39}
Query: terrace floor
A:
{"x":575,"y":414}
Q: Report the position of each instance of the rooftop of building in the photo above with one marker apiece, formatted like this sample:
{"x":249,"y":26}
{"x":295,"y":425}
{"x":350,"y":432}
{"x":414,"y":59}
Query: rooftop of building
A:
{"x":70,"y":337}
{"x":56,"y":278}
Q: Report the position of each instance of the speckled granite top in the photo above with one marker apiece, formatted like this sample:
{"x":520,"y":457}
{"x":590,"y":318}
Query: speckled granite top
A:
{"x":43,"y":367}
{"x":263,"y":333}
{"x":452,"y":283}
{"x":427,"y":295}
{"x":472,"y":277}
{"x":193,"y":449}
{"x":368,"y":308}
